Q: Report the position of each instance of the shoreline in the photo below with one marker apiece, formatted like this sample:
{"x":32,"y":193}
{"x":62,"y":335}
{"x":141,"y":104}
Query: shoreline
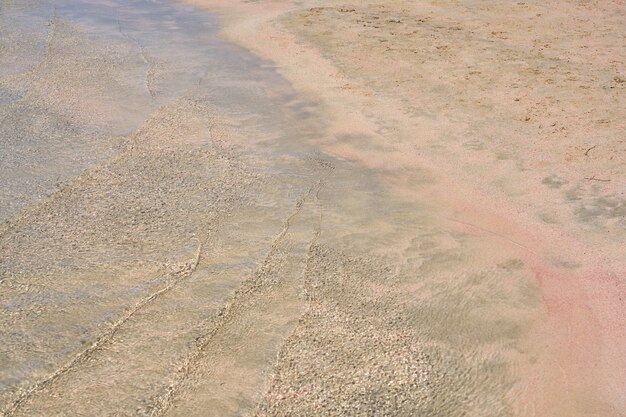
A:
{"x":590,"y":291}
{"x":379,"y":208}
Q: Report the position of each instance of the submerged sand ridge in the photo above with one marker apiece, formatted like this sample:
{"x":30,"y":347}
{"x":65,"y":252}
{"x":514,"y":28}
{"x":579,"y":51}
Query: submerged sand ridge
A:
{"x":245,"y":249}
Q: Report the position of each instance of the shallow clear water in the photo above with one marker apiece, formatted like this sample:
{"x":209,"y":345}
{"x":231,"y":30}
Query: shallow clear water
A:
{"x":89,"y":73}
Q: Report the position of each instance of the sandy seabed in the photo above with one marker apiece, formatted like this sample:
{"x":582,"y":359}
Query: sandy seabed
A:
{"x":275,"y":208}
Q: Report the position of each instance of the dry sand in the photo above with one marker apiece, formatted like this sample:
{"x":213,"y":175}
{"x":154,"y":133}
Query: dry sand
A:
{"x":385,"y":208}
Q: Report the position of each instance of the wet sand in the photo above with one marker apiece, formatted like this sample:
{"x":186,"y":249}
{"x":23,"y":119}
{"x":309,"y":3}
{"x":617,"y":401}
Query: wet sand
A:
{"x":271,"y":209}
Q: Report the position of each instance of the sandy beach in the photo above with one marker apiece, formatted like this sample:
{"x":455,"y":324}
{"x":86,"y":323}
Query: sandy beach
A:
{"x":312,"y":208}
